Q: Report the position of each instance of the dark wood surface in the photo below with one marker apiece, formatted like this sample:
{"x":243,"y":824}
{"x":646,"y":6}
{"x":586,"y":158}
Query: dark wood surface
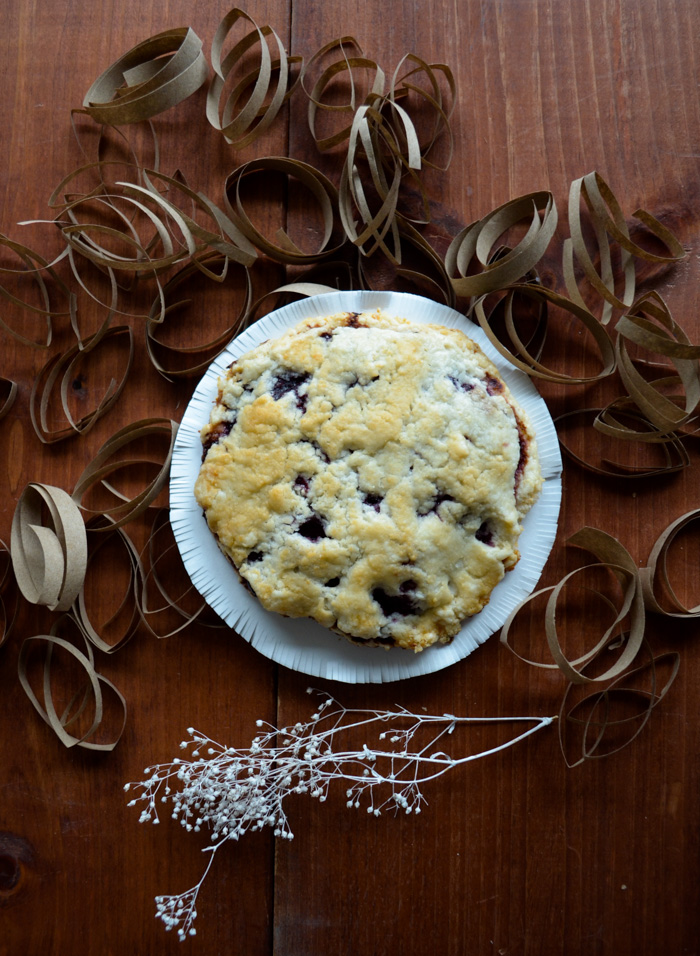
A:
{"x":516,"y":854}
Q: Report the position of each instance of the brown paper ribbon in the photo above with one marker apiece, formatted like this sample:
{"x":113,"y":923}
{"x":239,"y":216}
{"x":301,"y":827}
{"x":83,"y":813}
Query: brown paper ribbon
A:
{"x":149,"y":79}
{"x":472,"y":248}
{"x":601,"y":721}
{"x":608,"y":221}
{"x":109,"y":461}
{"x":624,"y":423}
{"x":61,"y":371}
{"x":161,"y":550}
{"x":655,"y":579}
{"x":39,"y":269}
{"x":519,"y":355}
{"x":268,"y":85}
{"x":9,"y":603}
{"x":92,"y":693}
{"x":48,"y":561}
{"x":320,"y":187}
{"x":127,"y":617}
{"x":613,"y":556}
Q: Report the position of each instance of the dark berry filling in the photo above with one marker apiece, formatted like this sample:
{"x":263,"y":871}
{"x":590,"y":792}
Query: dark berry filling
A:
{"x":312,"y":528}
{"x":289,"y":381}
{"x":522,"y":460}
{"x":254,"y":556}
{"x":484,"y":534}
{"x":319,"y":451}
{"x":373,"y":501}
{"x":302,"y":485}
{"x":353,"y":321}
{"x":400,"y":604}
{"x":493,"y":386}
{"x":215,"y":435}
{"x":333,"y":583}
{"x":431,"y":508}
{"x":462,"y":386}
{"x":326,"y":335}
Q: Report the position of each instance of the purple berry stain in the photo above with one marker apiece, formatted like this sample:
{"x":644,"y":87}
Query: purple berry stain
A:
{"x":461,"y":386}
{"x":219,"y":431}
{"x":289,"y":381}
{"x":400,"y":604}
{"x":312,"y":528}
{"x":484,"y":534}
{"x":301,"y":485}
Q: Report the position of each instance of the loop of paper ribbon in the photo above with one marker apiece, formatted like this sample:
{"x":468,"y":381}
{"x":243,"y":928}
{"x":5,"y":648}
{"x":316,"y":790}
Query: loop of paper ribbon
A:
{"x":165,"y":307}
{"x":657,"y":570}
{"x":599,"y":723}
{"x":48,"y":561}
{"x":92,"y":692}
{"x":613,"y":556}
{"x":320,"y":187}
{"x":98,"y":539}
{"x":61,"y":370}
{"x":473,"y":246}
{"x":149,"y":79}
{"x":268,"y":84}
{"x":108,"y":461}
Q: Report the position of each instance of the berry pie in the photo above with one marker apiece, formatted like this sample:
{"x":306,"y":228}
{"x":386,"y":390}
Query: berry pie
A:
{"x":370,"y":473}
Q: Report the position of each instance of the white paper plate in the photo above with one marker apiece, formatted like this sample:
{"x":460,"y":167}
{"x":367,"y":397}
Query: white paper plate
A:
{"x":302,"y":644}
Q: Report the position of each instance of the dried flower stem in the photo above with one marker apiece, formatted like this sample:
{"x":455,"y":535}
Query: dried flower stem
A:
{"x":230,"y":791}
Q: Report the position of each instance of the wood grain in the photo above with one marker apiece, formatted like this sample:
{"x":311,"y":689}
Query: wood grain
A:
{"x":517,"y":854}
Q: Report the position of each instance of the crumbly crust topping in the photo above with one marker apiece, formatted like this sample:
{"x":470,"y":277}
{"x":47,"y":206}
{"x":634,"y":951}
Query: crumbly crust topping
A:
{"x":371,"y":473}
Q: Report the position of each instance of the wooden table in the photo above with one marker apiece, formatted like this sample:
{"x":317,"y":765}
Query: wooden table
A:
{"x":516,"y":853}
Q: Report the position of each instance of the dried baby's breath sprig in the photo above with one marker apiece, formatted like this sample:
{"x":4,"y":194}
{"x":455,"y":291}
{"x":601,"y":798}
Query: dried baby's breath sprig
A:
{"x":230,"y":791}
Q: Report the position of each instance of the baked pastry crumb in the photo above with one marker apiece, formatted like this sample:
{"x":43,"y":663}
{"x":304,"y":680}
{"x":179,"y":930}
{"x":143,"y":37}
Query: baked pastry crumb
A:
{"x":371,"y":473}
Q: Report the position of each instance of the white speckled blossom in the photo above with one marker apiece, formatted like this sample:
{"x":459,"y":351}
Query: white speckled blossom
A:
{"x":229,"y":791}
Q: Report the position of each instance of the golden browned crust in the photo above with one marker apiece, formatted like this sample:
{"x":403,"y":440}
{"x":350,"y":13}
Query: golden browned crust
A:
{"x":371,"y":473}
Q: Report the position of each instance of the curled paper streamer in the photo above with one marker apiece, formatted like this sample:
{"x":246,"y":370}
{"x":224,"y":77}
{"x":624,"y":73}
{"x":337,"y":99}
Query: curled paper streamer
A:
{"x":83,"y":237}
{"x":404,"y":85}
{"x":9,"y":603}
{"x":127,"y":616}
{"x":48,"y":562}
{"x":624,"y":423}
{"x":9,"y":389}
{"x":649,"y":325}
{"x":62,"y":369}
{"x":344,"y":64}
{"x":163,"y":308}
{"x":228,"y":241}
{"x":108,"y":462}
{"x":37,"y":268}
{"x":386,"y":150}
{"x":110,"y":308}
{"x":47,"y":645}
{"x":426,"y":273}
{"x":472,"y":248}
{"x":608,"y":221}
{"x":148,"y":79}
{"x":320,"y":187}
{"x":655,"y":579}
{"x":596,"y":716}
{"x":162,"y":550}
{"x":268,"y":85}
{"x":613,"y":556}
{"x":519,"y":355}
